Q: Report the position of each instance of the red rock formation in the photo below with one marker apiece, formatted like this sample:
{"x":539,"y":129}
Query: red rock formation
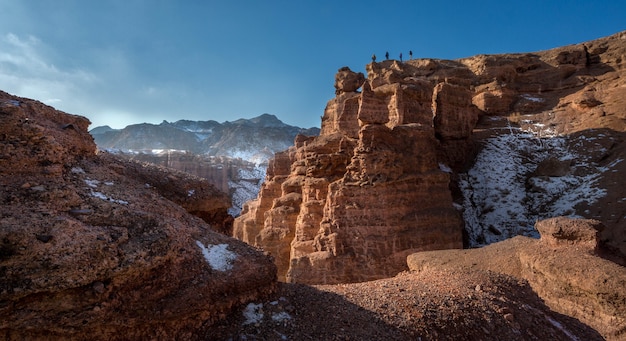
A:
{"x":351,"y":204}
{"x":89,"y":252}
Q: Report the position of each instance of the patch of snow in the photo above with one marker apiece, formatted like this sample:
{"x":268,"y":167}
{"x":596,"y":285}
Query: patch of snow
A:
{"x":202,"y":136}
{"x":218,"y":256}
{"x":191,"y":192}
{"x":611,"y":165}
{"x":95,"y":183}
{"x":503,"y":198}
{"x":444,"y":168}
{"x":253,"y":313}
{"x":532,"y":98}
{"x":246,"y":188}
{"x":77,"y":170}
{"x":280,"y":317}
{"x":158,"y":151}
{"x":100,"y":195}
{"x":561,"y":328}
{"x":92,"y":183}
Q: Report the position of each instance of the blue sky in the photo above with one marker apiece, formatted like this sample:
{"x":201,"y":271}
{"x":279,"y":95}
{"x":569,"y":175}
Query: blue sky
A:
{"x":120,"y":62}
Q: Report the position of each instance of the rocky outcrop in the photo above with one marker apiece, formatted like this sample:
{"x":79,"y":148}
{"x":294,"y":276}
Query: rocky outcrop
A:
{"x":562,"y":268}
{"x":380,"y":179}
{"x":91,"y":248}
{"x":563,"y":231}
{"x":351,"y":204}
{"x":196,"y":195}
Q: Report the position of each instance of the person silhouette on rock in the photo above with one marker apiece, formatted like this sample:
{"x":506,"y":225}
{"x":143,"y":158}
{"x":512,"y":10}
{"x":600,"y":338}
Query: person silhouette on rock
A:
{"x":400,"y":57}
{"x":373,"y":58}
{"x":387,"y":55}
{"x":411,"y":54}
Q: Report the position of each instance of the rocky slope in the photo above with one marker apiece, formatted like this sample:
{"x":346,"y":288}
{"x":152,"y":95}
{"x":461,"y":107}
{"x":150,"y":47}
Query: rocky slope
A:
{"x":93,"y":247}
{"x":392,"y":167}
{"x":552,"y":141}
{"x":239,"y":178}
{"x":562,"y":267}
{"x":518,"y":289}
{"x":433,"y":304}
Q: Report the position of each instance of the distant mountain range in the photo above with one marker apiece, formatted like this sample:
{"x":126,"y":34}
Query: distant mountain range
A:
{"x":231,"y":155}
{"x":254,"y":140}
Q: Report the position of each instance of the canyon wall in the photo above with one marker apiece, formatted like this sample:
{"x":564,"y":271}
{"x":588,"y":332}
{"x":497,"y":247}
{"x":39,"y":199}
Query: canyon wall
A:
{"x":351,"y":204}
{"x":381,"y":180}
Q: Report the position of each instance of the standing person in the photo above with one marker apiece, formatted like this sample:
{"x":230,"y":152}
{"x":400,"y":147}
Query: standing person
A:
{"x":374,"y":58}
{"x":387,"y":55}
{"x":411,"y":54}
{"x":400,"y":57}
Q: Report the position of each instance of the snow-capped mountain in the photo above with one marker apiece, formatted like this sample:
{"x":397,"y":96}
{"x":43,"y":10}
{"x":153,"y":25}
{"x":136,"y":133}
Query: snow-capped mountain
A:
{"x":231,"y":155}
{"x":254,"y":140}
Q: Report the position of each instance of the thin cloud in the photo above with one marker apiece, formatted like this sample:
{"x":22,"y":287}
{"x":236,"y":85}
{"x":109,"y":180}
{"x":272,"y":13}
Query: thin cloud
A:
{"x":25,"y":70}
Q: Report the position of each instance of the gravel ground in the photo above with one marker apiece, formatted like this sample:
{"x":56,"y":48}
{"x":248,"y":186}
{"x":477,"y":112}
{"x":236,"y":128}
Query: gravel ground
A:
{"x":430,"y":305}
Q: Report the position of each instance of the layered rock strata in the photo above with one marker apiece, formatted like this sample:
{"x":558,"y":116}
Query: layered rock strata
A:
{"x":91,"y":248}
{"x":380,"y":179}
{"x":351,"y":204}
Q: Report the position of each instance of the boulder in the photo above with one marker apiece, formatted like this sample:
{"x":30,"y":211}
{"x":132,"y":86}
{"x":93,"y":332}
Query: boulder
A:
{"x":348,"y":81}
{"x":565,"y":231}
{"x":553,"y":167}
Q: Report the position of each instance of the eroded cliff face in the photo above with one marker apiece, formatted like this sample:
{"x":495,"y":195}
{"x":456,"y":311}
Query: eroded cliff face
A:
{"x":93,"y":247}
{"x":351,"y":204}
{"x":380,"y":180}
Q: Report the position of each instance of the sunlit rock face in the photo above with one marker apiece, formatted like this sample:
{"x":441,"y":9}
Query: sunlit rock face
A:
{"x":351,"y":204}
{"x":394,"y":160}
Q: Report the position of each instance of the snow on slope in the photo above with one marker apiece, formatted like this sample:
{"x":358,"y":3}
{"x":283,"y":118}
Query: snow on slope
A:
{"x":246,"y":187}
{"x":503,"y":194}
